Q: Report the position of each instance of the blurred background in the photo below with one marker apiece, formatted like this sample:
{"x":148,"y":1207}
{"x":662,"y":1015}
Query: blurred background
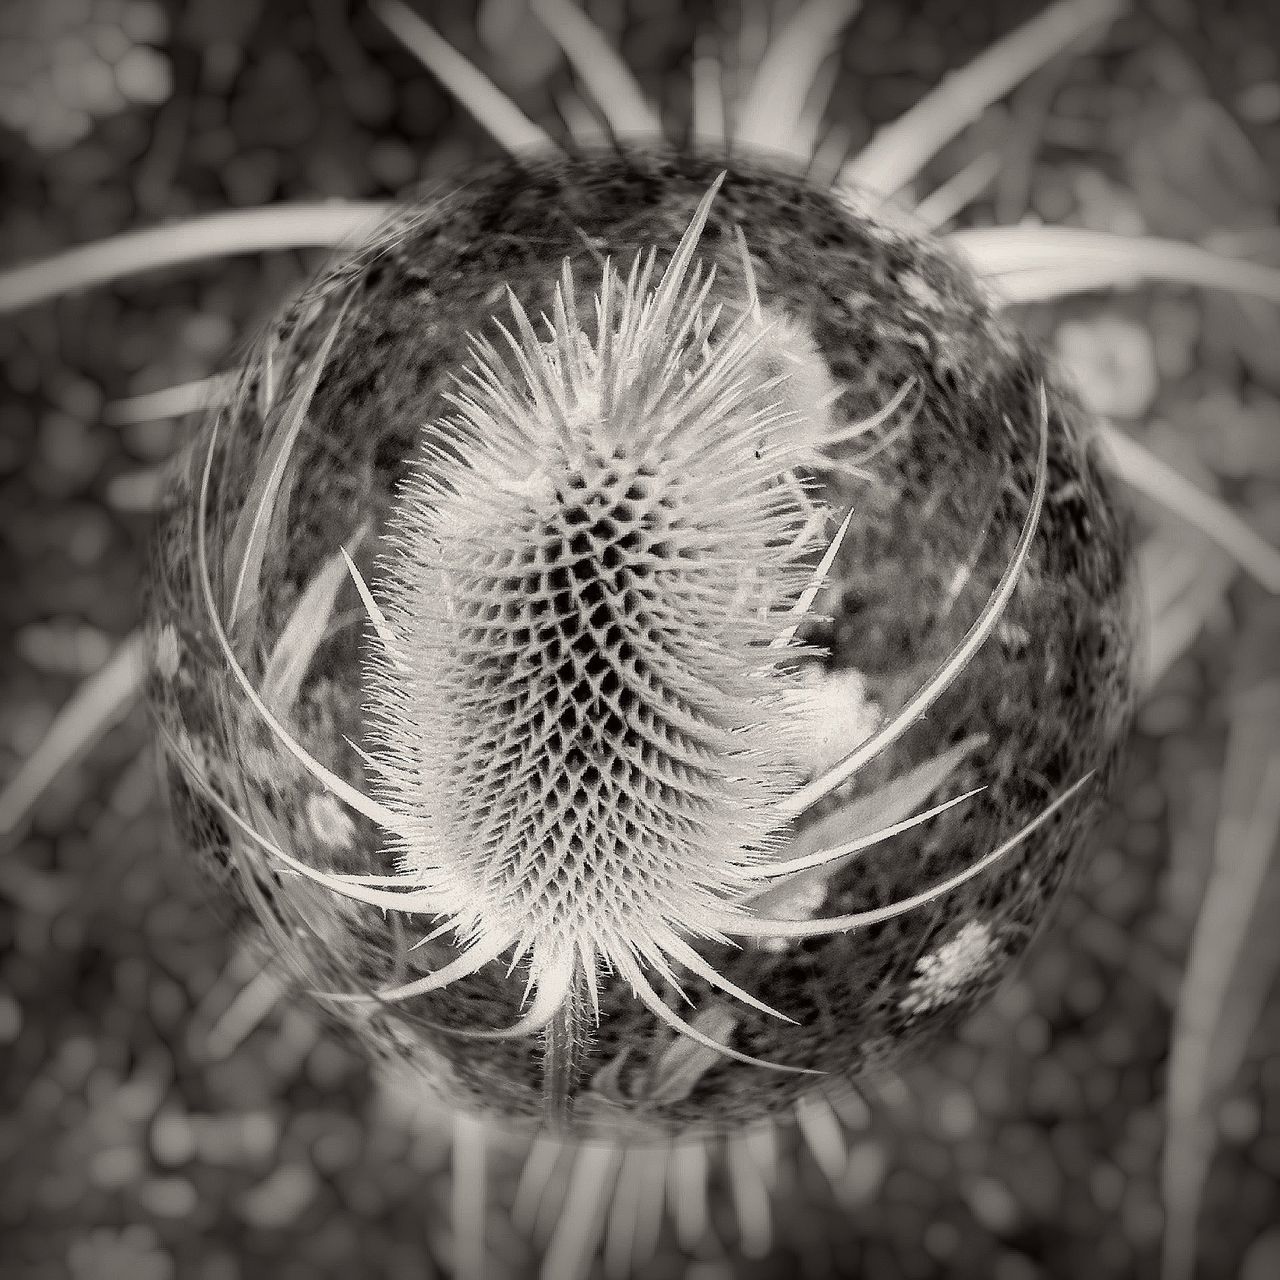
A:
{"x":167,"y":1115}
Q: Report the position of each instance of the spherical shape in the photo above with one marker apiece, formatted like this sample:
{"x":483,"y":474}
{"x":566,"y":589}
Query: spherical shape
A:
{"x":558,"y":702}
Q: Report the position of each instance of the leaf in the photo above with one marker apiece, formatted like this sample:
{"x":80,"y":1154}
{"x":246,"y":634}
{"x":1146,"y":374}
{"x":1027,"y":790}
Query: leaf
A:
{"x":1138,"y":467}
{"x":1219,"y":991}
{"x":1182,"y":582}
{"x":892,"y":803}
{"x":99,"y":701}
{"x":248,"y":541}
{"x":303,"y":633}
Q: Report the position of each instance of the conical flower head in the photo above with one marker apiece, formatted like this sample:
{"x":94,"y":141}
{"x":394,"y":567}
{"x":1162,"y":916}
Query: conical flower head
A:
{"x":579,"y":694}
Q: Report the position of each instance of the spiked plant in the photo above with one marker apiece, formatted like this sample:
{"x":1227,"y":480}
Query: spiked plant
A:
{"x":583,"y":728}
{"x":578,"y":720}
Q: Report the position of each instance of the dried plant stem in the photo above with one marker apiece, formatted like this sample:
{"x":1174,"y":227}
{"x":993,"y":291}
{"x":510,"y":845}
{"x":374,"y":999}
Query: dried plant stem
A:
{"x":215,"y":235}
{"x":96,"y":705}
{"x":601,"y":69}
{"x":536,"y":1175}
{"x":495,"y":112}
{"x":1035,"y":264}
{"x":749,"y":1192}
{"x":579,"y":1229}
{"x":253,"y":1002}
{"x":773,"y":114}
{"x":708,"y":125}
{"x":1244,"y":847}
{"x":1180,"y":591}
{"x":897,"y":153}
{"x":563,"y":1040}
{"x":1142,"y":470}
{"x":171,"y":402}
{"x":959,"y":191}
{"x":687,"y":1176}
{"x":468,"y":1198}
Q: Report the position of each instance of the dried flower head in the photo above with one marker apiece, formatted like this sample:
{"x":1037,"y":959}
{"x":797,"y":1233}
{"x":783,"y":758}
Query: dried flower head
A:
{"x":577,"y":696}
{"x":583,"y":736}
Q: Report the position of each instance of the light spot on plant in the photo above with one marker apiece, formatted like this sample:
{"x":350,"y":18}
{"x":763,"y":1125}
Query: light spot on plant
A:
{"x":329,"y":821}
{"x":920,"y":291}
{"x":800,"y":901}
{"x":168,"y":652}
{"x":195,"y":750}
{"x":836,"y":713}
{"x":941,"y":976}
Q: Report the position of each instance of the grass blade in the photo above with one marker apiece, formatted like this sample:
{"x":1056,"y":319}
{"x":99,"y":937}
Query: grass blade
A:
{"x":1244,"y":852}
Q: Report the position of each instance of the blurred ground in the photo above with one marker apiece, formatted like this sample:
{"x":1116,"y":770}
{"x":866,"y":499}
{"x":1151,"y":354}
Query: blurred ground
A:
{"x":164,"y":1117}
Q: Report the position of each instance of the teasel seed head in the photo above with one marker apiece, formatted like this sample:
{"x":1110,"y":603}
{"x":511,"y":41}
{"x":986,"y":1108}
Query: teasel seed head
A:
{"x":579,"y":705}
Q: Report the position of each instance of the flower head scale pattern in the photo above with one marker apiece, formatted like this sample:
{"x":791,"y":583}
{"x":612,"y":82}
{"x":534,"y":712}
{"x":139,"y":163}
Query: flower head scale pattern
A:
{"x":578,"y":708}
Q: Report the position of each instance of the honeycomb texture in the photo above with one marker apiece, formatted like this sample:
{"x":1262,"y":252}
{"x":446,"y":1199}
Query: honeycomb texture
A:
{"x":582,"y":714}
